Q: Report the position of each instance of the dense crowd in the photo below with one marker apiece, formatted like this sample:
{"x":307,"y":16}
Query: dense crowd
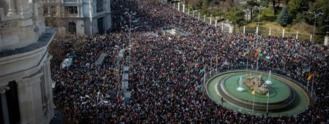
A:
{"x":166,"y":77}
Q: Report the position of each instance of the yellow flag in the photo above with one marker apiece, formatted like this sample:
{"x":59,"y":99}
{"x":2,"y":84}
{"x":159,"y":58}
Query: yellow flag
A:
{"x":310,"y":76}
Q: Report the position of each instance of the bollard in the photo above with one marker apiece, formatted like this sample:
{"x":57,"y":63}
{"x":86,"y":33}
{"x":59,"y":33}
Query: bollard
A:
{"x":311,"y":37}
{"x":244,"y":29}
{"x":257,"y":28}
{"x":188,"y":11}
{"x":231,"y":28}
{"x":297,"y":35}
{"x":326,"y":40}
{"x":222,"y":27}
{"x":283,"y":31}
{"x":199,"y":16}
{"x":216,"y":23}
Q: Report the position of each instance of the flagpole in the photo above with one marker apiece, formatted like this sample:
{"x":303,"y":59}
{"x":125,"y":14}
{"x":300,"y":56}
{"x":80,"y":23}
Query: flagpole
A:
{"x":312,"y":86}
{"x":216,"y":62}
{"x":204,"y":77}
{"x":268,"y":97}
{"x":308,"y":84}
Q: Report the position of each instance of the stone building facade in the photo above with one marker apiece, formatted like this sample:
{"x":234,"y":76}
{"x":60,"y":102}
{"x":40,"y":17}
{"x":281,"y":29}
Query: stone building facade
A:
{"x":25,"y":78}
{"x":81,"y":17}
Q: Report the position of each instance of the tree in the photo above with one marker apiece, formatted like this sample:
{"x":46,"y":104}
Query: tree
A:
{"x":251,"y":4}
{"x":297,"y":6}
{"x":320,"y":6}
{"x":275,"y":8}
{"x":283,"y":18}
{"x":236,"y":16}
{"x":264,"y":3}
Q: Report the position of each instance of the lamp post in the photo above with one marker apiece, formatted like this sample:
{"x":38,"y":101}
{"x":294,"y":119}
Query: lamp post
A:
{"x":314,"y":27}
{"x":257,"y":36}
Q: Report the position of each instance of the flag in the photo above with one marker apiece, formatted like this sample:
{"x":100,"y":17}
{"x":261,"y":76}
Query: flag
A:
{"x":268,"y":57}
{"x":310,"y":76}
{"x":202,"y":70}
{"x":258,"y":53}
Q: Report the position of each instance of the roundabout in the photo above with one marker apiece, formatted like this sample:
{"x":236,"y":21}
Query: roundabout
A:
{"x":257,"y":93}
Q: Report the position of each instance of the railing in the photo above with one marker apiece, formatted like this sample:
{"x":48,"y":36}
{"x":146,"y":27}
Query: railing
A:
{"x":70,"y":1}
{"x":229,"y":28}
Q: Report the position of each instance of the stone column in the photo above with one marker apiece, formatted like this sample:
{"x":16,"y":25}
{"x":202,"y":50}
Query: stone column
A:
{"x":25,"y":101}
{"x":283,"y":32}
{"x":49,"y":92}
{"x":4,"y":106}
{"x":183,"y":8}
{"x":178,"y":6}
{"x":20,"y":7}
{"x":30,"y":99}
{"x":11,"y":7}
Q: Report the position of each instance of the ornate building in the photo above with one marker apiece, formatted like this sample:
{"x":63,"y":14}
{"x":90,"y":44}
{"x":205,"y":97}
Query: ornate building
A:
{"x":25,"y":81}
{"x":82,"y":17}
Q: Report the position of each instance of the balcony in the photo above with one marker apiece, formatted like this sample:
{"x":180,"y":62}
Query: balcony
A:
{"x":70,"y":1}
{"x":71,"y":11}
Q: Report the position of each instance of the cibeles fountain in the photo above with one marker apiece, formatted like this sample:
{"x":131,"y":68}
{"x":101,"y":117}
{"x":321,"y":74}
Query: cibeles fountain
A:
{"x":258,"y":93}
{"x":254,"y":83}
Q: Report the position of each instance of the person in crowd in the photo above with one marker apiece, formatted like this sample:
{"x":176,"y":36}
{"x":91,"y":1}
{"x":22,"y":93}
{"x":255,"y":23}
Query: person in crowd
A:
{"x":166,"y":71}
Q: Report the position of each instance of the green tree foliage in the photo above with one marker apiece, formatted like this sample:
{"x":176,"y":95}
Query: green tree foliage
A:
{"x":251,"y":5}
{"x":297,"y":6}
{"x":267,"y":14}
{"x":264,"y":3}
{"x":322,"y":21}
{"x":283,"y":18}
{"x":236,"y":16}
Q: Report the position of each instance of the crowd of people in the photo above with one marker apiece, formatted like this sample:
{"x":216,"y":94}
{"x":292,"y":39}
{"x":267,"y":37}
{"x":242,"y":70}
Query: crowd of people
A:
{"x":167,"y":71}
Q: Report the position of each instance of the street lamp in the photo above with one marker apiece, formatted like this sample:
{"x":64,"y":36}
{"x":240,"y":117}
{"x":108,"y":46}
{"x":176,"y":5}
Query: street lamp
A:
{"x":314,"y":27}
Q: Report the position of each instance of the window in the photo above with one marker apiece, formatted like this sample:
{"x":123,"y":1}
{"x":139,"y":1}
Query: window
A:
{"x":53,"y":10}
{"x":45,"y":11}
{"x":71,"y":10}
{"x":99,"y":6}
{"x":72,"y":27}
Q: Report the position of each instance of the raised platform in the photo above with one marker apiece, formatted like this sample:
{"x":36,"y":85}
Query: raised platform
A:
{"x":286,"y":97}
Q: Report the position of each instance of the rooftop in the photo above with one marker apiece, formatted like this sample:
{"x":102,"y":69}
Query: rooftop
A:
{"x":43,"y":40}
